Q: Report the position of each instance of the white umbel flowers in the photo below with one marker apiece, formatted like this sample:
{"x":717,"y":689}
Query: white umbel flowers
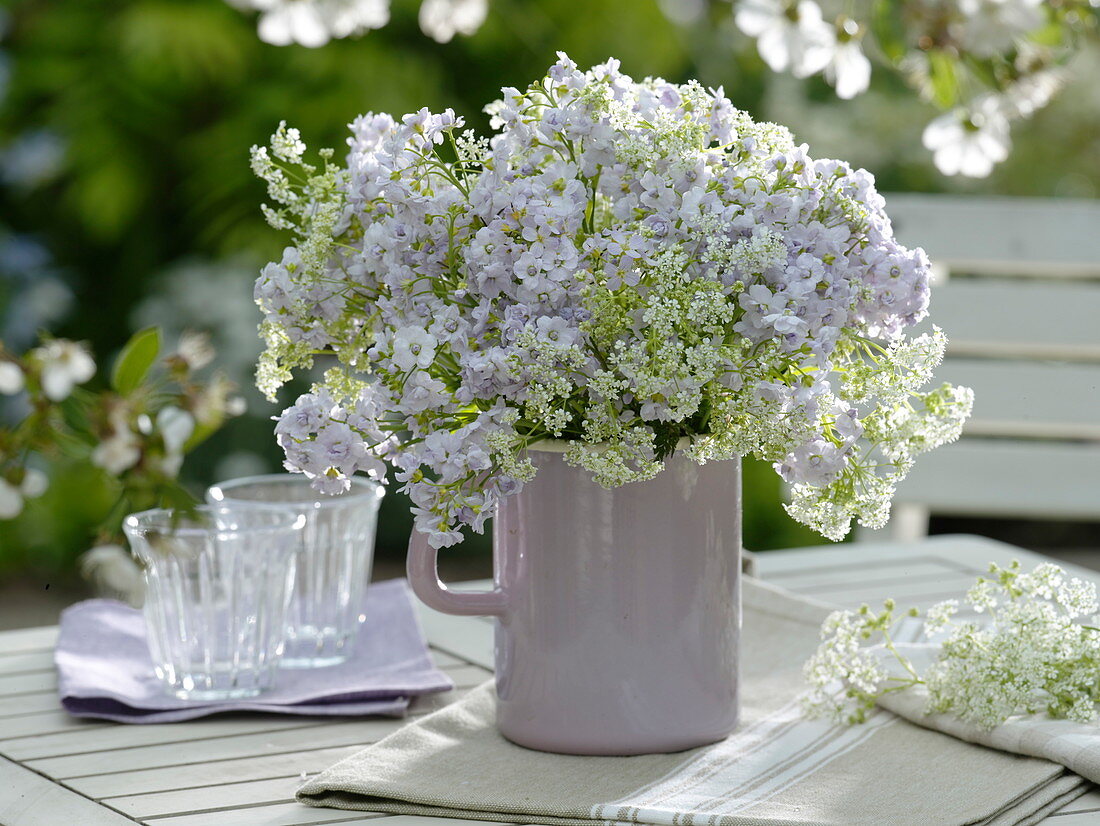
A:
{"x":1029,"y":644}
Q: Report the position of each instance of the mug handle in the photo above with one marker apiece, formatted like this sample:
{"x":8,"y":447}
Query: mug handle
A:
{"x":429,"y":588}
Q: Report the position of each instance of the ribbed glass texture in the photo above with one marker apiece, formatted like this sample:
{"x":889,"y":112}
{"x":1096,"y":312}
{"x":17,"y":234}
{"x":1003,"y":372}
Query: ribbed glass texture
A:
{"x":218,"y":586}
{"x":334,"y":560}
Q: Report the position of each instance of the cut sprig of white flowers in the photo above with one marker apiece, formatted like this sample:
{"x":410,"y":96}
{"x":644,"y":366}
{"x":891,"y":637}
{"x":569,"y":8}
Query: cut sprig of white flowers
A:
{"x":1022,"y":643}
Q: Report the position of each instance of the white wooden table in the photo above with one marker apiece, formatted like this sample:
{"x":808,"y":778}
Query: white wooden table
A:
{"x":242,"y":770}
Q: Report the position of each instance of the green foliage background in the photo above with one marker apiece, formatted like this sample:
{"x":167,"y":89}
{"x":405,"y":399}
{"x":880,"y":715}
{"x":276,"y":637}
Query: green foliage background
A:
{"x":157,"y":102}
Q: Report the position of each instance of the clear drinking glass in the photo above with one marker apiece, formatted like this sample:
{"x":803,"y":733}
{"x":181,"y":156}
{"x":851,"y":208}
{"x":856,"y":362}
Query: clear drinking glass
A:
{"x":218,"y":584}
{"x":334,"y":561}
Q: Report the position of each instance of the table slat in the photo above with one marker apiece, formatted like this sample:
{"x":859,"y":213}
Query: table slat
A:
{"x":417,"y":820}
{"x":1088,"y":802}
{"x":325,"y":735}
{"x":23,"y":704}
{"x":849,"y":575}
{"x":433,"y":702}
{"x":80,"y":739}
{"x":212,"y":798}
{"x":25,"y":662}
{"x":1064,"y":818}
{"x":906,"y":593}
{"x":218,"y":771}
{"x":965,"y":552}
{"x":444,"y":660}
{"x":28,"y":683}
{"x":467,"y":637}
{"x":28,"y":639}
{"x":880,"y":569}
{"x":53,"y":721}
{"x":28,"y":799}
{"x":469,"y":675}
{"x":279,"y":814}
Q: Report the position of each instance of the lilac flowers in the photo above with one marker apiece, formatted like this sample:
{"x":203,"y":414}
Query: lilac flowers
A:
{"x":625,"y":266}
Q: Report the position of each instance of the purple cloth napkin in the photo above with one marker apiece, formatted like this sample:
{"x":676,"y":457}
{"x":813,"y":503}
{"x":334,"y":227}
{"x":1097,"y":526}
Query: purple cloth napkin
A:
{"x":104,"y":667}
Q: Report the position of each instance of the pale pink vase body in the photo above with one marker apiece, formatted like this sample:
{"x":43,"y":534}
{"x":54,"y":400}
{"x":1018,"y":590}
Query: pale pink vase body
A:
{"x":618,"y":610}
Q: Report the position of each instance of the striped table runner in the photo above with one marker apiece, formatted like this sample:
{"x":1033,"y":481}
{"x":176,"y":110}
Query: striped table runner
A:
{"x":778,"y":769}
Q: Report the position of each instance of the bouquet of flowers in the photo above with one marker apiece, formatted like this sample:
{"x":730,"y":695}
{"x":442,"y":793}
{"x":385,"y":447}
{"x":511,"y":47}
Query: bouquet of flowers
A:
{"x":631,"y":267}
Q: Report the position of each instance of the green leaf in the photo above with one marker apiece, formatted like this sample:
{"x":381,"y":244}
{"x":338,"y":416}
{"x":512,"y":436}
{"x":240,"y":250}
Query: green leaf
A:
{"x":889,"y":28}
{"x":945,"y":79}
{"x":1052,"y":34}
{"x":201,"y":433}
{"x":983,"y":70}
{"x":172,"y":495}
{"x":135,"y":360}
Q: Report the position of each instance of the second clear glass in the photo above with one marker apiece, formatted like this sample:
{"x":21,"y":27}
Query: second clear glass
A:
{"x":334,"y":560}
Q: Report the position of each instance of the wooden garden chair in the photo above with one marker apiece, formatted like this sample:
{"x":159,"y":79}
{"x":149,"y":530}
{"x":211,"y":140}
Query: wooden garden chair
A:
{"x":1018,"y":295}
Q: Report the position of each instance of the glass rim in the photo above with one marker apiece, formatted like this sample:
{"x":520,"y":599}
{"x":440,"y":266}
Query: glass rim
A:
{"x":160,"y":519}
{"x":363,"y":490}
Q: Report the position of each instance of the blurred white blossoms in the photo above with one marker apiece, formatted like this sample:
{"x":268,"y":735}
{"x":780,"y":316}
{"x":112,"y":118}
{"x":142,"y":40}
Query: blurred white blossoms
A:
{"x":125,"y":441}
{"x":789,"y":35}
{"x":1030,"y":646}
{"x":120,"y":449}
{"x":989,"y":27}
{"x":114,"y":573}
{"x":13,"y":496}
{"x":63,"y":365}
{"x":195,"y":350}
{"x":983,"y":62}
{"x":848,"y":69}
{"x":441,"y":20}
{"x":683,"y":11}
{"x":792,"y":35}
{"x":314,"y":23}
{"x":175,"y":427}
{"x":12,"y":380}
{"x":969,"y":141}
{"x":622,"y":265}
{"x":11,"y":500}
{"x":34,"y":484}
{"x":1031,"y":93}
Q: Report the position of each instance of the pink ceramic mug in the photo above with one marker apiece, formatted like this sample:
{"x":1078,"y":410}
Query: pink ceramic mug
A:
{"x":618,"y":611}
